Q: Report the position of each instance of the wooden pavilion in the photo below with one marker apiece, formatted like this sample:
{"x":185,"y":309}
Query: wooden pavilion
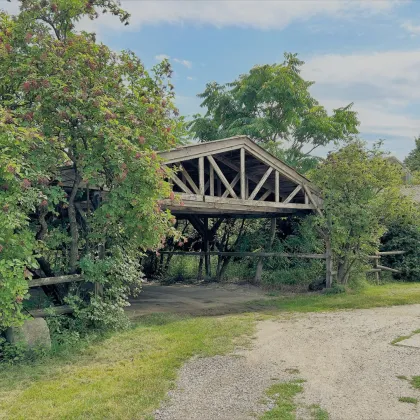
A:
{"x":236,"y":178}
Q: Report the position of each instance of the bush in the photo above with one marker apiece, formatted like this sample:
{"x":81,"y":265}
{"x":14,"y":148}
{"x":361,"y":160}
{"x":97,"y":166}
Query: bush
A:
{"x":403,"y":237}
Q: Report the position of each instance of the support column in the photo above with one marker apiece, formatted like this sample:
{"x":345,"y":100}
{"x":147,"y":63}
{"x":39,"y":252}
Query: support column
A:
{"x":207,"y":266}
{"x":260,"y":263}
{"x":329,"y":263}
{"x":242,"y":171}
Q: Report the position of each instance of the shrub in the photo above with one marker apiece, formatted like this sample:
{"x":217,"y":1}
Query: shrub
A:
{"x":403,"y":237}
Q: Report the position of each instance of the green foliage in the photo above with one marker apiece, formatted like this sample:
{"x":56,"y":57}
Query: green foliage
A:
{"x":413,"y":158}
{"x":409,"y":400}
{"x":403,"y":237}
{"x":415,"y":381}
{"x":66,"y":100}
{"x":335,"y":290}
{"x":272,"y":104}
{"x":283,"y":395}
{"x":361,"y":194}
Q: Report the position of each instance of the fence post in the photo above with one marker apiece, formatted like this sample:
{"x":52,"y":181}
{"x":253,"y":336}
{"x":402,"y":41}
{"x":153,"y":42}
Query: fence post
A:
{"x":375,"y":266}
{"x":328,"y":263}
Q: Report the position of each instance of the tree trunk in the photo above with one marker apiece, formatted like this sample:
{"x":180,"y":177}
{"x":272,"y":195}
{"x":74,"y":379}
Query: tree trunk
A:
{"x":74,"y":229}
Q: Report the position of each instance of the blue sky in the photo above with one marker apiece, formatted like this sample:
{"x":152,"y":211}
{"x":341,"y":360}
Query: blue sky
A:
{"x":366,"y":52}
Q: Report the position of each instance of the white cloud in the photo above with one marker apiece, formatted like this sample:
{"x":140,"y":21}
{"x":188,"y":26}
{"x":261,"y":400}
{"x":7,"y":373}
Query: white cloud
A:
{"x":161,"y":57}
{"x":185,"y":63}
{"x":384,"y":86}
{"x":260,"y":14}
{"x":411,"y":28}
{"x":190,"y":78}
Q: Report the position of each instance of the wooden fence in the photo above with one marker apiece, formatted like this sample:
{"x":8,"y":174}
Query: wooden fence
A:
{"x":65,"y":309}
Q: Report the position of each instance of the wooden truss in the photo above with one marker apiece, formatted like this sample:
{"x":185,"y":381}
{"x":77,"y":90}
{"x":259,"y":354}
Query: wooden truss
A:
{"x":235,"y":176}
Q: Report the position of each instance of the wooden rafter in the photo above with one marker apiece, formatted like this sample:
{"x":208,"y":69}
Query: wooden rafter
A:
{"x":261,"y":183}
{"x":292,"y":195}
{"x":232,"y":184}
{"x":221,"y":176}
{"x":190,"y":181}
{"x":180,"y":184}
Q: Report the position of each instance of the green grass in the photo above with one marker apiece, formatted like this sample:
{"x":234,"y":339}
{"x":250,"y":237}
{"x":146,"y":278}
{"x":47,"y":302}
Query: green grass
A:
{"x":283,"y":395}
{"x":404,"y":337}
{"x":127,"y":374}
{"x":318,"y":413}
{"x":402,"y":377}
{"x":409,"y":400}
{"x":369,"y":297}
{"x":124,"y":377}
{"x":415,"y":382}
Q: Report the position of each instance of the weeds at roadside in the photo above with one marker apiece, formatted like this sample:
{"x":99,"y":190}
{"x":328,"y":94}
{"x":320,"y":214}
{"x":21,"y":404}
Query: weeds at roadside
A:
{"x":318,"y":413}
{"x":282,"y":396}
{"x":409,"y":400}
{"x":402,"y":377}
{"x":404,"y":337}
{"x":415,"y":382}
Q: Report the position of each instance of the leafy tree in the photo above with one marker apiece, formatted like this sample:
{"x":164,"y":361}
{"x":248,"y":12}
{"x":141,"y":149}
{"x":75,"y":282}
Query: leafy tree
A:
{"x":68,"y":101}
{"x":361,"y":194}
{"x":403,"y":237}
{"x":272,"y":104}
{"x":413,"y":158}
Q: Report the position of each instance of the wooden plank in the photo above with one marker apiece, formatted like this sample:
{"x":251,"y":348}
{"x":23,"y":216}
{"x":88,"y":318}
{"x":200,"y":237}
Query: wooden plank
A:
{"x":58,"y":310}
{"x":211,"y":181}
{"x":180,"y":184}
{"x":199,"y":202}
{"x":261,"y":183}
{"x":277,"y":187}
{"x":311,"y":199}
{"x":190,"y":181}
{"x":248,"y":254}
{"x":392,"y":252}
{"x":55,"y":280}
{"x":392,"y":270}
{"x":221,"y":176}
{"x":264,"y":196}
{"x":194,"y":151}
{"x":242,"y":174}
{"x":232,"y":184}
{"x":292,"y":195}
{"x":201,"y":174}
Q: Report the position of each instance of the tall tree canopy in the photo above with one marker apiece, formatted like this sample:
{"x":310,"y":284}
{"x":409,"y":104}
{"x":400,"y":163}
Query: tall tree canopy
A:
{"x":68,"y":101}
{"x":272,"y":104}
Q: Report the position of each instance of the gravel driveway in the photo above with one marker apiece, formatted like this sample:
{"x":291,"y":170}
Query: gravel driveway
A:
{"x":346,"y":358}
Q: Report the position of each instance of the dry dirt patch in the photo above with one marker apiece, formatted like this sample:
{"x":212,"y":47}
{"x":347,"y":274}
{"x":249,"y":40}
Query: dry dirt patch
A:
{"x":194,"y":299}
{"x":346,"y":358}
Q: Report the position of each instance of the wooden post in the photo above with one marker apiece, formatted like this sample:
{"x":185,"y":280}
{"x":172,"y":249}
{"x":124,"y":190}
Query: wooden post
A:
{"x":260,"y":263}
{"x":207,"y":266}
{"x":277,"y":187}
{"x":99,"y":288}
{"x":201,"y":174}
{"x":211,"y":181}
{"x":375,"y":266}
{"x":329,"y":263}
{"x":243,"y":187}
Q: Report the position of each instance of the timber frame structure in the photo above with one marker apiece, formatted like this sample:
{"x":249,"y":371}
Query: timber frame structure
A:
{"x":235,"y":177}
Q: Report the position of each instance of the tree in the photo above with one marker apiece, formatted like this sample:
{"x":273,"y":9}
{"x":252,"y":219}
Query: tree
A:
{"x":272,"y":104}
{"x":66,"y":100}
{"x":361,"y":192}
{"x":413,"y":158}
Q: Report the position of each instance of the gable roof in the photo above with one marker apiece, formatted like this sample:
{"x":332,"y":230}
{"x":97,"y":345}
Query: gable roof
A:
{"x":194,"y":151}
